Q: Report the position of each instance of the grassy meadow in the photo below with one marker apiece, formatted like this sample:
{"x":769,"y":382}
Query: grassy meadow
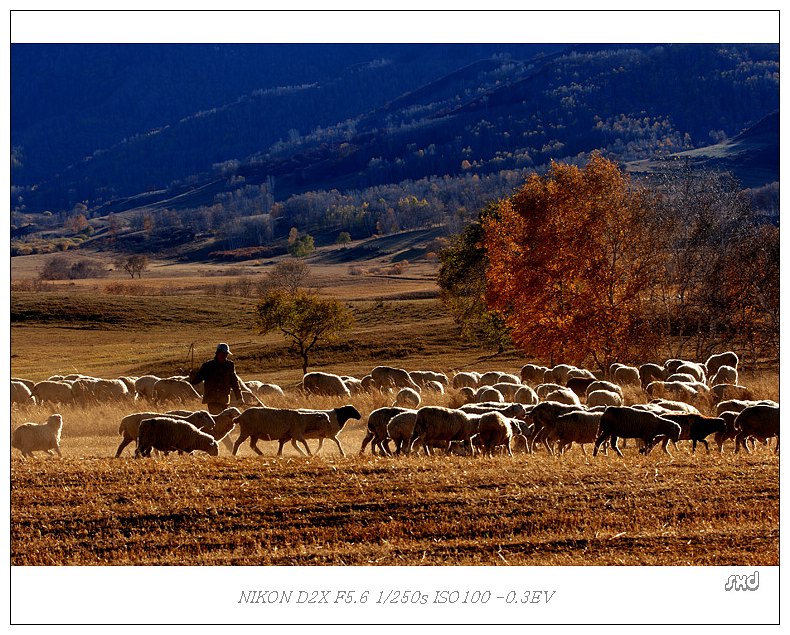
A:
{"x":89,"y":508}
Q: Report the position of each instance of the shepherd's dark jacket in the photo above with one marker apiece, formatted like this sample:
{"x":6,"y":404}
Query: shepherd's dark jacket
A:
{"x":219,"y":379}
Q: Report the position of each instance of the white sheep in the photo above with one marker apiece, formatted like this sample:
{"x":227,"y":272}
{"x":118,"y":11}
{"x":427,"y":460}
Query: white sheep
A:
{"x":488,"y":393}
{"x":604,"y":398}
{"x":724,"y":375}
{"x":693,"y":369}
{"x":144,"y":386}
{"x":265,"y":390}
{"x":328,"y":384}
{"x":434,"y":386}
{"x":466,"y":379}
{"x":532,"y":374}
{"x":494,"y":429}
{"x":542,"y":390}
{"x":603,"y":385}
{"x":27,"y":382}
{"x":563,"y":395}
{"x":277,"y":424}
{"x":526,"y":395}
{"x":389,"y":377}
{"x":559,"y":374}
{"x":168,"y":434}
{"x":129,"y":428}
{"x":353,"y":384}
{"x":20,"y":394}
{"x":651,"y":372}
{"x":407,"y":398}
{"x":626,"y":376}
{"x":53,"y":392}
{"x":94,"y":390}
{"x":436,"y":425}
{"x":400,"y":429}
{"x":507,"y":389}
{"x":578,"y":426}
{"x":723,"y":392}
{"x":33,"y":437}
{"x":377,"y":429}
{"x":423,"y":377}
{"x":714,"y":362}
{"x":173,"y":389}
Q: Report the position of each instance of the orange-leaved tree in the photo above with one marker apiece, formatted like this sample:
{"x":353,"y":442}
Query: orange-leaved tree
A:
{"x":571,"y":259}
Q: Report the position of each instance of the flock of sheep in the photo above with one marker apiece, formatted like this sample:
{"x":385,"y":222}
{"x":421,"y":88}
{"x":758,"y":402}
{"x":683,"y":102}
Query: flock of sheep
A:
{"x":550,"y":408}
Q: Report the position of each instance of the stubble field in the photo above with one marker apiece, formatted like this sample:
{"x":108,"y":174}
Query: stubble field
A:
{"x":92,"y":509}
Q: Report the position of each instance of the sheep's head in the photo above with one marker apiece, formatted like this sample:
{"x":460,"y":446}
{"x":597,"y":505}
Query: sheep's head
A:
{"x":344,"y":413}
{"x":55,"y":421}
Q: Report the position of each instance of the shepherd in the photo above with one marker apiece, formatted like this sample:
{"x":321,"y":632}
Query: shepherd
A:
{"x":219,"y":377}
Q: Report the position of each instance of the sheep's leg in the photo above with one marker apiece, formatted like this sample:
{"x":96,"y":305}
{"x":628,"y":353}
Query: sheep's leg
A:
{"x":339,"y":447}
{"x":298,"y":449}
{"x":584,"y":452}
{"x":598,"y":442}
{"x":705,"y":443}
{"x":385,"y":445}
{"x":124,"y":442}
{"x":368,"y":438}
{"x":57,"y":449}
{"x":613,"y":445}
{"x":239,"y":441}
{"x":254,"y":446}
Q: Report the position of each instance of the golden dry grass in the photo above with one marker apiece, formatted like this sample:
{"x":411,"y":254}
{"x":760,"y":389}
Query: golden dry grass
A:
{"x":89,"y":508}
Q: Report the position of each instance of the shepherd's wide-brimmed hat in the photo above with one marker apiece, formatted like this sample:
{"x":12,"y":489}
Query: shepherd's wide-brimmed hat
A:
{"x":223,"y":348}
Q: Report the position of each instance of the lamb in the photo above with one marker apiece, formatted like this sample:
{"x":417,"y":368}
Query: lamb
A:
{"x":494,"y":429}
{"x":714,"y":362}
{"x":532,"y":374}
{"x":377,"y":429}
{"x":32,"y":437}
{"x":57,"y":392}
{"x":388,"y":377}
{"x":337,"y":419}
{"x":407,"y":398}
{"x":604,"y":398}
{"x":278,"y":424}
{"x":578,"y":426}
{"x":20,"y":394}
{"x":325,"y":384}
{"x":631,"y":423}
{"x":168,"y":434}
{"x":129,"y":427}
{"x":542,"y":390}
{"x":725,"y":375}
{"x":435,"y":424}
{"x":172,"y":389}
{"x":760,"y":421}
{"x":400,"y":429}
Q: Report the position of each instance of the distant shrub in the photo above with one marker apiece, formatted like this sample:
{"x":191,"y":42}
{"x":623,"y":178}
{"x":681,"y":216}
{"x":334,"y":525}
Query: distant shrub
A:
{"x":355,"y":270}
{"x":32,"y":285}
{"x":59,"y":268}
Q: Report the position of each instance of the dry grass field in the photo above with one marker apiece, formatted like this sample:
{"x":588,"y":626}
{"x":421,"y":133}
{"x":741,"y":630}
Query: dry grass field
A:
{"x":91,"y":509}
